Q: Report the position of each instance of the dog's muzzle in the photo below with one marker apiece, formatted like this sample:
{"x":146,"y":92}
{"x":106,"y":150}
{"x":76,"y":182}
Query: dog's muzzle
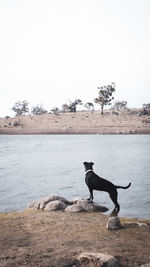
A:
{"x":90,"y":170}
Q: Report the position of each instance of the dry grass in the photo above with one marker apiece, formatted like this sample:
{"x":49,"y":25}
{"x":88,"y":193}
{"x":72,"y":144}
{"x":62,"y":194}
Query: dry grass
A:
{"x":33,"y":238}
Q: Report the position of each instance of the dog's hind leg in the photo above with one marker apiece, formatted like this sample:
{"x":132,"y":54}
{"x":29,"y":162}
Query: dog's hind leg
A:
{"x":91,"y":194}
{"x":113,"y":197}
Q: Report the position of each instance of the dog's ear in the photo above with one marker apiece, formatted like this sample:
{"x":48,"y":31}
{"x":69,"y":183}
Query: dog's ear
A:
{"x":84,"y":163}
{"x":92,"y":163}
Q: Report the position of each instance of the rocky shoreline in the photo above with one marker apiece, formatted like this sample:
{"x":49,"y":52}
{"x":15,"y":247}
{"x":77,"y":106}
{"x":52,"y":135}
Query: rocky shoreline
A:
{"x":46,"y":236}
{"x":55,"y":203}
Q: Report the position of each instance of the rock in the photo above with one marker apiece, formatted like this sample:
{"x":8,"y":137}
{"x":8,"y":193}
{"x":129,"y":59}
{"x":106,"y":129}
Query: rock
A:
{"x":113,"y":223}
{"x":55,"y":205}
{"x":75,"y":200}
{"x":76,"y":205}
{"x":40,"y":204}
{"x":35,"y":204}
{"x":141,"y":224}
{"x":74,"y":208}
{"x":91,"y":207}
{"x":80,"y":204}
{"x":46,"y":200}
{"x":97,"y":260}
{"x":145,"y":265}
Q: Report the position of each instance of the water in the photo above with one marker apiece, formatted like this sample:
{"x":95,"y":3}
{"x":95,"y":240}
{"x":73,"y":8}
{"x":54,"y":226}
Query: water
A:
{"x":35,"y":166}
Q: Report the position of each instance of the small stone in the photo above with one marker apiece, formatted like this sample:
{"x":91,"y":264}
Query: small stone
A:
{"x":97,"y":259}
{"x":145,"y":265}
{"x":113,"y":223}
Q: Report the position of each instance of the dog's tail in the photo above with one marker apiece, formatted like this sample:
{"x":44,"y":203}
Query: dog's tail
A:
{"x":124,"y":187}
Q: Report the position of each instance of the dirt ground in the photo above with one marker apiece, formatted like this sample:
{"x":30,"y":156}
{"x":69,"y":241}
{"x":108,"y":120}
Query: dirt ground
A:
{"x":81,"y":122}
{"x":46,"y":239}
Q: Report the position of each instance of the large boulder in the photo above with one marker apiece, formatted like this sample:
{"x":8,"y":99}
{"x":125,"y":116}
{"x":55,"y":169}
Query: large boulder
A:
{"x":46,"y":200}
{"x":97,"y":259}
{"x":55,"y":205}
{"x":81,"y":204}
{"x":113,"y":223}
{"x":41,"y":203}
{"x":85,"y":205}
{"x":91,"y":207}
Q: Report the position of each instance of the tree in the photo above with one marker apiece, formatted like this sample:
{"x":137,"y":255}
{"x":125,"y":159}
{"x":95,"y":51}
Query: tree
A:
{"x":21,"y":108}
{"x":105,"y":96}
{"x":120,"y":105}
{"x":146,"y":105}
{"x":72,"y":106}
{"x":65,"y":108}
{"x":38,"y":110}
{"x":55,"y":110}
{"x":89,"y":106}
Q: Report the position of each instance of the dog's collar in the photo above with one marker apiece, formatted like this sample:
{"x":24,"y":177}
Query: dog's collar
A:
{"x":90,"y":170}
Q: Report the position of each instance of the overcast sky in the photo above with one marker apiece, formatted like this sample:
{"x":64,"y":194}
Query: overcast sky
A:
{"x":55,"y":50}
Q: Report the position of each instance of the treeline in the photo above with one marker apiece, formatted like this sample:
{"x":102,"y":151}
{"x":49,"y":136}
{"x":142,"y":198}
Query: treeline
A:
{"x":104,"y":98}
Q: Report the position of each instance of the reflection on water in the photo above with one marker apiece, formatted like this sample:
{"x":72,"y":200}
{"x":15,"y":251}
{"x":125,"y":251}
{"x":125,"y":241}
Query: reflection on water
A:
{"x":36,"y":166}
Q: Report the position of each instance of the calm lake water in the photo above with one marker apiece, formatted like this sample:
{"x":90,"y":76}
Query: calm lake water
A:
{"x":35,"y":166}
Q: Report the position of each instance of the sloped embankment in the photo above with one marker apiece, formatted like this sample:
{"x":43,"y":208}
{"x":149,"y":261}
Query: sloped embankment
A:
{"x":77,"y":123}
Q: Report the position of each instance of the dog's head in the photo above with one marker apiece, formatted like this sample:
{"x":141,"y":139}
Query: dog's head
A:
{"x":88,"y":165}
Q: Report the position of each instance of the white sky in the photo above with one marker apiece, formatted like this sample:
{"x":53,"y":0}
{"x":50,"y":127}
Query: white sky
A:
{"x":55,"y":50}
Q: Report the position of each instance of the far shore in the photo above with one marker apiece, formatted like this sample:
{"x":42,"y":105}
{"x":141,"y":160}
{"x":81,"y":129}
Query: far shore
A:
{"x":73,"y":131}
{"x":81,"y":122}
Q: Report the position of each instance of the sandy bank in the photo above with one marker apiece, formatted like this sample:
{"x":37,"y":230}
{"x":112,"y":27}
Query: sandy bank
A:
{"x":77,"y":123}
{"x":34,"y":238}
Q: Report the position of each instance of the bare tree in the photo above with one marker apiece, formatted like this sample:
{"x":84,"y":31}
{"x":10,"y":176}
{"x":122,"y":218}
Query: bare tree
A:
{"x":38,"y":110}
{"x":105,"y":96}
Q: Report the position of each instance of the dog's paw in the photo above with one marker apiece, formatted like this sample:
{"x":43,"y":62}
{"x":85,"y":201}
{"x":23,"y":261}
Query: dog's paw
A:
{"x":90,"y":200}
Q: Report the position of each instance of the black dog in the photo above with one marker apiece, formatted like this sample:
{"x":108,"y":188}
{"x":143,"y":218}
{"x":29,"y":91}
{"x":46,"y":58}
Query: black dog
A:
{"x":94,"y":182}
